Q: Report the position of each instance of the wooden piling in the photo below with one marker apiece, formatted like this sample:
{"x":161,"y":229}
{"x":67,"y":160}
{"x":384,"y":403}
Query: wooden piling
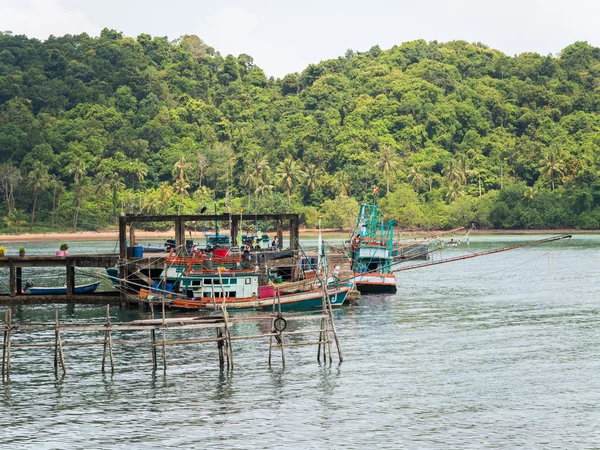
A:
{"x":19,"y":280}
{"x":108,"y":343}
{"x":60,"y":348}
{"x":6,"y":346}
{"x":12,"y":280}
{"x":70,"y":278}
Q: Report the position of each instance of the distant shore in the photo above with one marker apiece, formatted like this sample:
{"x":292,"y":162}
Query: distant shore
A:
{"x":161,"y":235}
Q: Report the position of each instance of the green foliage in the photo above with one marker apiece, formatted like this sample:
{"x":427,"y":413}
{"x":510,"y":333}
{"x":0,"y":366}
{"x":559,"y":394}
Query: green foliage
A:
{"x":340,"y":212}
{"x":454,"y":133}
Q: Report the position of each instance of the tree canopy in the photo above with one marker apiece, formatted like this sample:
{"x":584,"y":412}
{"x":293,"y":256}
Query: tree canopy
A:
{"x":454,"y":133}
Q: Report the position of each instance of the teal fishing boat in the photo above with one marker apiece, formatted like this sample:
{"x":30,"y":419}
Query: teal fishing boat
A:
{"x":371,"y":251}
{"x":238,"y":289}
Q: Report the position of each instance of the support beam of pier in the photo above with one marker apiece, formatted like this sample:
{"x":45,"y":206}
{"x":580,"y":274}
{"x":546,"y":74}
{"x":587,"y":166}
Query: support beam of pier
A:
{"x":294,"y":234}
{"x":70,"y":278}
{"x":19,"y":280}
{"x":280,"y":233}
{"x":235,"y":228}
{"x":12,"y":280}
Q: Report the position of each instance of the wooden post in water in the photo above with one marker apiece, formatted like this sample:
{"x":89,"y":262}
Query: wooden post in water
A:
{"x":271,"y":336}
{"x":122,"y":259}
{"x":281,"y":344}
{"x":164,"y":324}
{"x":228,"y":348}
{"x":153,"y":338}
{"x":108,"y":343}
{"x":58,"y":346}
{"x":335,"y":336}
{"x":6,"y":347}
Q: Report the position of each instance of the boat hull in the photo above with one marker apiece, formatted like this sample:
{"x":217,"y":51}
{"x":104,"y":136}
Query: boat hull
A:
{"x":62,"y":290}
{"x":299,"y":301}
{"x":376,"y":283}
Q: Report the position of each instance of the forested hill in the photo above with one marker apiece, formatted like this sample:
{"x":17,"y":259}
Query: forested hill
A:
{"x":451,"y":133}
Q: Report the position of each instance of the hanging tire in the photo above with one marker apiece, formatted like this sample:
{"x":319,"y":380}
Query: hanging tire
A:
{"x":279,"y":324}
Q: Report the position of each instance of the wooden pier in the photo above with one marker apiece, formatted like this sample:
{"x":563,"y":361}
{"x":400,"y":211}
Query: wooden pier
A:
{"x":133,"y":272}
{"x":15,"y":264}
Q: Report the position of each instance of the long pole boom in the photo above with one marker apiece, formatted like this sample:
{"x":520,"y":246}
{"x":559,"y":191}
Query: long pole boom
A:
{"x":486,"y":252}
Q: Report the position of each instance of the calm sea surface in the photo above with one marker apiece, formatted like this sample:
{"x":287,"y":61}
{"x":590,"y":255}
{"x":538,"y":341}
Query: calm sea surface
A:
{"x":501,"y":351}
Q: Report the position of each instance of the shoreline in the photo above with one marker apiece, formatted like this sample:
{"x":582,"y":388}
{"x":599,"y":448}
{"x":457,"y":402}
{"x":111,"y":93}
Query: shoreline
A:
{"x":146,"y":235}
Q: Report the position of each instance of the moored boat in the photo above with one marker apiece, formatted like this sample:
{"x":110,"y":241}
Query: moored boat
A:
{"x":236,"y":289}
{"x":62,"y":290}
{"x":370,"y":251}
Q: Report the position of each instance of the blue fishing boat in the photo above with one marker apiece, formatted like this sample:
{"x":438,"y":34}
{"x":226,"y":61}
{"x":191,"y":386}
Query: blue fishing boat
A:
{"x":62,"y":290}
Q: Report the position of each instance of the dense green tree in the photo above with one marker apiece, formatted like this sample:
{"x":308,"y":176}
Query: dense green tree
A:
{"x":478,"y":135}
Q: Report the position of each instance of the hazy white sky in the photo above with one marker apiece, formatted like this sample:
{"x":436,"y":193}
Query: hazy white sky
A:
{"x":286,"y":35}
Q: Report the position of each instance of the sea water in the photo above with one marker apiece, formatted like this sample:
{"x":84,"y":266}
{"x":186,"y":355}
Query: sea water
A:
{"x":501,"y":351}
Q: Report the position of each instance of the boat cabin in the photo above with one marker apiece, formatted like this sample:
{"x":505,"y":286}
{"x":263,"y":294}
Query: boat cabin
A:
{"x":208,"y":284}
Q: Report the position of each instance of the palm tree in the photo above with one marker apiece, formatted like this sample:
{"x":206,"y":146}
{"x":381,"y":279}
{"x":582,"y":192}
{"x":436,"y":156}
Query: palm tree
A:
{"x":342,"y":183}
{"x":453,"y":174}
{"x":454,"y":191}
{"x":264,"y":184}
{"x":38,"y":180}
{"x":288,"y":174}
{"x":151,"y":202}
{"x":180,"y":168}
{"x":116,"y":185}
{"x":77,"y":169}
{"x":257,"y":162}
{"x":15,"y":218}
{"x":181,"y":188}
{"x":81,"y":190}
{"x":416,"y":177}
{"x":250,"y":181}
{"x":101,"y":189}
{"x":58,"y":187}
{"x":165,"y":194}
{"x":552,"y":165}
{"x":312,"y":177}
{"x":387,"y":163}
{"x":529,"y":194}
{"x":140,"y":170}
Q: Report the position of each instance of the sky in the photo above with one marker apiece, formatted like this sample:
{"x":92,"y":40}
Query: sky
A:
{"x":284,"y":36}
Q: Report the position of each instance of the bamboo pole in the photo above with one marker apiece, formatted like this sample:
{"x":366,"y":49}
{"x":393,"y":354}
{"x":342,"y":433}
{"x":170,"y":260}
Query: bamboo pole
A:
{"x":104,"y":347}
{"x":110,"y":347}
{"x":153,"y":339}
{"x":280,"y":335}
{"x":220,"y":348}
{"x":335,"y":336}
{"x":226,"y":321}
{"x":60,"y":348}
{"x":271,"y":335}
{"x":6,"y":347}
{"x":164,"y":326}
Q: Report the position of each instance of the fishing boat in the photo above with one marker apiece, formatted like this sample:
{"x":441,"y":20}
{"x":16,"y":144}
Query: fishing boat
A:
{"x":149,"y":248}
{"x":62,"y":290}
{"x":371,"y":251}
{"x":236,"y":289}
